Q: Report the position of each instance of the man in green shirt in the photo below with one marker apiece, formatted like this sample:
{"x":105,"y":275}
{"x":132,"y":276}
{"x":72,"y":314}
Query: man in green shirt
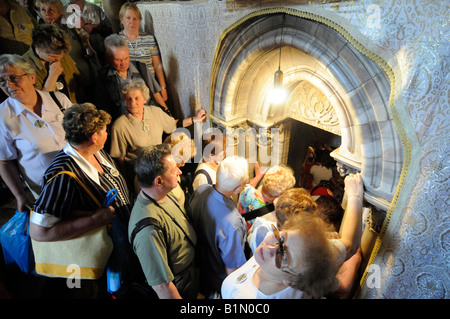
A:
{"x":165,"y":245}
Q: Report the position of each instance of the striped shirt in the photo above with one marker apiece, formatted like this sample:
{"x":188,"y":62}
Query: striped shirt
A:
{"x":142,"y":49}
{"x":62,"y":195}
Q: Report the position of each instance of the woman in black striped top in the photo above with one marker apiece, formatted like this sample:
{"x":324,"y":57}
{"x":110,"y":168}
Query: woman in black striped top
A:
{"x":64,"y":209}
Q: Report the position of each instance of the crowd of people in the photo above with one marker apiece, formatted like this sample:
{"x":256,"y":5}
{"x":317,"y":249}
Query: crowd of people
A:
{"x":86,"y":111}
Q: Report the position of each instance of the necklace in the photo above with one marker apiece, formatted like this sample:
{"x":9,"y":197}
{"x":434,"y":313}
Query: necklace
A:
{"x":134,"y":47}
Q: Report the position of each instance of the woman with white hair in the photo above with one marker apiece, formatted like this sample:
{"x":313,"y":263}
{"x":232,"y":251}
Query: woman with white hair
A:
{"x":30,"y":126}
{"x":140,"y":126}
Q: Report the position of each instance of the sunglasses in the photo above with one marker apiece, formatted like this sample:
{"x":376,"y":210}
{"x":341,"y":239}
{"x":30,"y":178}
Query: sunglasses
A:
{"x":12,"y":78}
{"x":282,"y":257}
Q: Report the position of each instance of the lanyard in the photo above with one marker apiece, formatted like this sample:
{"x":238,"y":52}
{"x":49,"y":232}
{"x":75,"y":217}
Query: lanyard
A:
{"x":171,"y":217}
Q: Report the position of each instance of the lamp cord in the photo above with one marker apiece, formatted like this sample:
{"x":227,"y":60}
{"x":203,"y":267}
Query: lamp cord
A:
{"x":281,"y":42}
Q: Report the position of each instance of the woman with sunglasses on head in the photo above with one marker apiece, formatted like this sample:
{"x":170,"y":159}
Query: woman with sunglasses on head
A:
{"x":30,"y":126}
{"x":299,"y":260}
{"x":285,"y":265}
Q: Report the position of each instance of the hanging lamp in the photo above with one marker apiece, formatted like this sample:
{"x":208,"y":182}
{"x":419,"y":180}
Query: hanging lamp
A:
{"x":278,"y":93}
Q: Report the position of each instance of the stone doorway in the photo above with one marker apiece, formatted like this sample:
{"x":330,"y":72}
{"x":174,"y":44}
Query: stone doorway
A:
{"x":331,"y":85}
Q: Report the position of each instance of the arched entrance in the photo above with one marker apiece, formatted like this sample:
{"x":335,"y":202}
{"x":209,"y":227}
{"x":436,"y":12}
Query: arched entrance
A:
{"x":333,"y":83}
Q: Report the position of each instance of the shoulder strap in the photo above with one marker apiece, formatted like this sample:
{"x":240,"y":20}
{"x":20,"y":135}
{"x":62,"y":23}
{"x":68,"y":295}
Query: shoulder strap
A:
{"x":53,"y":95}
{"x":147,"y":221}
{"x":79,"y":182}
{"x":204,"y":172}
{"x":259,"y":212}
{"x":170,"y":216}
{"x":314,"y":189}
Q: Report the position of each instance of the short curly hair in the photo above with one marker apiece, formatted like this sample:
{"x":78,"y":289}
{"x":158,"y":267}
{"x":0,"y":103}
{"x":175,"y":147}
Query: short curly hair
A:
{"x":138,"y":84}
{"x":277,"y":180}
{"x":82,"y":120}
{"x":51,"y":39}
{"x":294,"y":201}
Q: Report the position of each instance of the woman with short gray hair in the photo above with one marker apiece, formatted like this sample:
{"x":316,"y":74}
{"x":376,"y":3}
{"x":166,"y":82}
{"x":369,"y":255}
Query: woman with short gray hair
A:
{"x":30,"y":126}
{"x":139,"y":127}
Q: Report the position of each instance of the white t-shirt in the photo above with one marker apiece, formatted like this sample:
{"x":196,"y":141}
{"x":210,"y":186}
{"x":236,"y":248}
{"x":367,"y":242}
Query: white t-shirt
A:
{"x":239,"y":285}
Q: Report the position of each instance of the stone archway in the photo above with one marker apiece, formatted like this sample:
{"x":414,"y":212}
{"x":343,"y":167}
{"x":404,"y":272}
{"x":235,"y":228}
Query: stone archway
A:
{"x":317,"y":61}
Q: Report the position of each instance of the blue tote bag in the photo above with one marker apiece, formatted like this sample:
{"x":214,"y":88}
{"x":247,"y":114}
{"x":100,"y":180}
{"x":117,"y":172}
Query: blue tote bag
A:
{"x":16,"y":242}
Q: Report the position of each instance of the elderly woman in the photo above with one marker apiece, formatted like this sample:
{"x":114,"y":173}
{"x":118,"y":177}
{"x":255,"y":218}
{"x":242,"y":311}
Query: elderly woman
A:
{"x":140,"y":126}
{"x":55,"y":69}
{"x":299,"y":260}
{"x":81,"y":52}
{"x":30,"y":126}
{"x":142,"y":46}
{"x":64,"y":209}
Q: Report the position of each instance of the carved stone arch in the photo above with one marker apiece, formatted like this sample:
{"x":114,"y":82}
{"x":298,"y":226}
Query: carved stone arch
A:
{"x":358,"y":89}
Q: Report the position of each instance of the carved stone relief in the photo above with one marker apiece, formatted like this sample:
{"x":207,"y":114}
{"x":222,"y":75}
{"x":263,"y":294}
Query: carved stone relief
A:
{"x":309,"y":105}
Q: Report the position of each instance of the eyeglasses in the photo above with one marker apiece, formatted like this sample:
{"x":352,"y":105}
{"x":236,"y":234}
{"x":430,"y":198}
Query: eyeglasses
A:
{"x":282,"y":258}
{"x":281,"y":255}
{"x":12,"y":78}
